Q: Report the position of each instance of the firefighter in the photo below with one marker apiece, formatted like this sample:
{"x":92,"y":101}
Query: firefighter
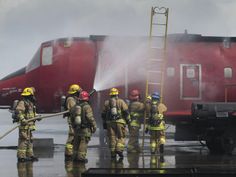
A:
{"x":71,"y":100}
{"x":136,"y":109}
{"x":84,"y":125}
{"x":26,"y":110}
{"x":156,"y":123}
{"x":115,"y":115}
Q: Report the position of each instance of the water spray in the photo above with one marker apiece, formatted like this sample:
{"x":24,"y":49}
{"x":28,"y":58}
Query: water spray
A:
{"x":120,"y":61}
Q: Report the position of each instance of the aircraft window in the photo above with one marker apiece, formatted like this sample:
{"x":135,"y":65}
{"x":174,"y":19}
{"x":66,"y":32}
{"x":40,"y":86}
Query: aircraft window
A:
{"x":190,"y":73}
{"x":47,"y":56}
{"x":228,"y":73}
{"x":35,"y":62}
{"x":170,"y":71}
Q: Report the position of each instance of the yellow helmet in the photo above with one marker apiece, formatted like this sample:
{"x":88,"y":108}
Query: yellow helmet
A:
{"x":74,"y":88}
{"x":114,"y":91}
{"x":149,"y":97}
{"x":27,"y":91}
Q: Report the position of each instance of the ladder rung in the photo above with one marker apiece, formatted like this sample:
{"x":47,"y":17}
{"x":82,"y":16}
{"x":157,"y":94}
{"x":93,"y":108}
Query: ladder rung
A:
{"x":156,"y":59}
{"x":157,"y":47}
{"x":154,"y":83}
{"x":163,"y":24}
{"x":160,"y":13}
{"x":153,"y":36}
{"x":154,"y":71}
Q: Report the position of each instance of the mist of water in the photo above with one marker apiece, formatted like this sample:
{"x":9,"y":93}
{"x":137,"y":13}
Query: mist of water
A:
{"x":121,"y":61}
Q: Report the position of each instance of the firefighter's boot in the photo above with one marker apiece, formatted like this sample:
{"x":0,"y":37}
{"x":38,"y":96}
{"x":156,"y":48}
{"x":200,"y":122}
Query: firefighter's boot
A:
{"x":113,"y":155}
{"x":33,"y":159}
{"x":81,"y":160}
{"x":161,"y":148}
{"x":21,"y":159}
{"x":120,"y":154}
{"x":162,"y":160}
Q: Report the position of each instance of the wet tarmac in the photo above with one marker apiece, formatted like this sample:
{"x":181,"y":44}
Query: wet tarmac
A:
{"x":178,"y":155}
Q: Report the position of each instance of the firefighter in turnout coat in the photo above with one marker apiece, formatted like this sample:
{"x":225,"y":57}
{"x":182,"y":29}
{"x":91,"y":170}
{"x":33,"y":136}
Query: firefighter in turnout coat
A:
{"x":84,"y":125}
{"x":25,"y":110}
{"x":156,"y":123}
{"x":70,"y":102}
{"x":115,"y":116}
{"x":136,"y":109}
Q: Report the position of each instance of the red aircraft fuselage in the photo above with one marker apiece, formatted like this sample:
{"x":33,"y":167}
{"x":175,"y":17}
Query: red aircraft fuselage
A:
{"x":197,"y":69}
{"x":199,"y":80}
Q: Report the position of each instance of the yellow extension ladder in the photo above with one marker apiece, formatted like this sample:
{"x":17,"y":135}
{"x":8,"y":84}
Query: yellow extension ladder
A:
{"x":157,"y":50}
{"x":157,"y":54}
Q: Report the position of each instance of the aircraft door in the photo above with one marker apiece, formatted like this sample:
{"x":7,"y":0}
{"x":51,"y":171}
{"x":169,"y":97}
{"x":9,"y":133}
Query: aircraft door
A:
{"x":52,"y":77}
{"x":190,"y":81}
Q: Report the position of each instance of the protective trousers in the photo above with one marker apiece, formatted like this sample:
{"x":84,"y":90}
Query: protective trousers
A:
{"x":82,"y":138}
{"x":133,"y":143}
{"x":157,"y":137}
{"x":25,"y":144}
{"x":116,"y":136}
{"x":69,"y":143}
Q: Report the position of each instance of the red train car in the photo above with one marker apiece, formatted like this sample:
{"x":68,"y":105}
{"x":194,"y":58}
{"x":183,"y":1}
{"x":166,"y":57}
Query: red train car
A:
{"x":199,"y":88}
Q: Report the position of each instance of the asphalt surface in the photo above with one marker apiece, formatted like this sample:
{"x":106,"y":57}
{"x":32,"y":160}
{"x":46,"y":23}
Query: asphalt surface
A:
{"x":51,"y":161}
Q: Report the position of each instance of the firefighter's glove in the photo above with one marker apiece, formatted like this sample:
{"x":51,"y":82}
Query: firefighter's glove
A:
{"x":39,"y":119}
{"x":127,"y":117}
{"x":128,"y":121}
{"x":160,"y":116}
{"x":93,"y":129}
{"x":71,"y":130}
{"x":14,"y":120}
{"x":104,"y":126}
{"x":158,"y":121}
{"x":23,"y":122}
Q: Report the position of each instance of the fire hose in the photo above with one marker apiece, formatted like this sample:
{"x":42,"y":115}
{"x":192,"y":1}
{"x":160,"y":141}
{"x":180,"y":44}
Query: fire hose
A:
{"x":41,"y":117}
{"x":33,"y":119}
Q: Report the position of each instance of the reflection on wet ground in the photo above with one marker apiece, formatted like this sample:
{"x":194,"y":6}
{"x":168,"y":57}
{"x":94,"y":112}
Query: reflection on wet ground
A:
{"x":51,"y":161}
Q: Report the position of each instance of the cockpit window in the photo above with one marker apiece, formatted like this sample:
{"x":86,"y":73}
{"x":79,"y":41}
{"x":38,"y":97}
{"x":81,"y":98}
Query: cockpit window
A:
{"x":47,"y":55}
{"x":35,"y":62}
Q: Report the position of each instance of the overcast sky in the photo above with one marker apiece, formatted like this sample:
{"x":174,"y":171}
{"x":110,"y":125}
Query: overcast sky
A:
{"x":24,"y":24}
